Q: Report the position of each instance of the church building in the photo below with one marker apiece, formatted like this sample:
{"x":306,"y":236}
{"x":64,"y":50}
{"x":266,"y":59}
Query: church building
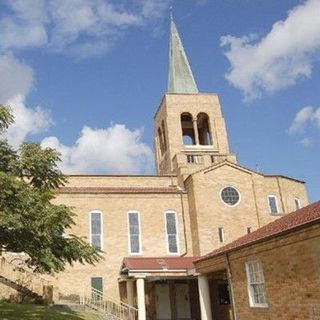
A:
{"x":152,"y":227}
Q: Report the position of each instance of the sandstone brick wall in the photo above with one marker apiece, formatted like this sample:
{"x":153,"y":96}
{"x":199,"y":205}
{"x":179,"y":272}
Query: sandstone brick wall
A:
{"x":209,"y":212}
{"x":291,"y":267}
{"x":170,"y":110}
{"x":115,"y":207}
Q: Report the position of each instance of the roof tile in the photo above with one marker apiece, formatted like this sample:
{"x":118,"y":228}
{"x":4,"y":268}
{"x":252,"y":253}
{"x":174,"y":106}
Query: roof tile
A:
{"x":293,"y":220}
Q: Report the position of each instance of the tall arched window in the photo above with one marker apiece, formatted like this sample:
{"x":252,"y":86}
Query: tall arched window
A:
{"x":171,"y":232}
{"x":164,"y":136}
{"x":187,"y":129}
{"x":203,"y":129}
{"x":134,"y":232}
{"x":160,"y":139}
{"x":96,"y":232}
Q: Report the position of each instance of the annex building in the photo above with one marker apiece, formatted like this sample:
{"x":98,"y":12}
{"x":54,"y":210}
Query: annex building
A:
{"x":152,"y":227}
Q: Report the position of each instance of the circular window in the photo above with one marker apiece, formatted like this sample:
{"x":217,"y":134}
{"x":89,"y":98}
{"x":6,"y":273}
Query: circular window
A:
{"x":230,"y":196}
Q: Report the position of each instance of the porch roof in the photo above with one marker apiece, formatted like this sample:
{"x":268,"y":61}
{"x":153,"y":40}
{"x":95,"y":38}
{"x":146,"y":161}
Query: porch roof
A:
{"x":158,"y":264}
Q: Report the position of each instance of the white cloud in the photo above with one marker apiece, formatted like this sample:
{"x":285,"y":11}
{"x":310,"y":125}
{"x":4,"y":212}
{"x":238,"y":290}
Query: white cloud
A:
{"x":16,"y":77}
{"x":27,"y":121}
{"x":306,"y":142}
{"x":115,"y":149}
{"x":87,"y":27}
{"x":278,"y":60}
{"x":307,"y":115}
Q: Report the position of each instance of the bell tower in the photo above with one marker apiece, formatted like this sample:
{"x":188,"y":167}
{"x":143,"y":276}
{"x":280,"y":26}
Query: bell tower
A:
{"x":190,"y":132}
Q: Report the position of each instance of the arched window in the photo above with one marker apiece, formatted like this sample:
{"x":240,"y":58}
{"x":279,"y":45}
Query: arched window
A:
{"x":160,"y":140}
{"x":164,"y":136}
{"x":171,"y":232}
{"x":96,"y":232}
{"x":203,"y":129}
{"x":187,"y":129}
{"x":134,"y":232}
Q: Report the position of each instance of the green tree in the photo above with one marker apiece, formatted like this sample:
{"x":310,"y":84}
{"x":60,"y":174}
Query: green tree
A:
{"x":29,"y":220}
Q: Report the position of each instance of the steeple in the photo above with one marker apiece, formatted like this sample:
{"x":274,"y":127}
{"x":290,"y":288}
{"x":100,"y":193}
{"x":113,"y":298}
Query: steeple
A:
{"x":180,"y":75}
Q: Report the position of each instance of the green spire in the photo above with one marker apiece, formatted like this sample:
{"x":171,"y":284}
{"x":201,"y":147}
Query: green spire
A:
{"x":180,"y":75}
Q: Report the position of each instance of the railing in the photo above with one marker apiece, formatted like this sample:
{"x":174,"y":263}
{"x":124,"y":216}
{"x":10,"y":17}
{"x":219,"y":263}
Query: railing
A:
{"x":95,"y":299}
{"x":22,"y":277}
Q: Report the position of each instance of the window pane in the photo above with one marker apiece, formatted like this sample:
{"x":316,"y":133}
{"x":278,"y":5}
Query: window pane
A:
{"x":172,"y":240}
{"x":171,"y":223}
{"x":134,"y":244}
{"x":273,"y":205}
{"x":95,"y":222}
{"x":256,"y":284}
{"x":230,"y":196}
{"x":134,"y":232}
{"x":96,"y":240}
{"x":133,"y":219}
{"x":96,"y":283}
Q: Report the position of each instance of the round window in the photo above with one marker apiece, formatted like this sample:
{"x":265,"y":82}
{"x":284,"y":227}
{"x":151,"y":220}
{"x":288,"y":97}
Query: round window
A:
{"x":230,"y":196}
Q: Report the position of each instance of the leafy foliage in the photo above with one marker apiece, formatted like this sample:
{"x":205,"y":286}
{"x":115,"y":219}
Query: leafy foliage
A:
{"x":30,"y":222}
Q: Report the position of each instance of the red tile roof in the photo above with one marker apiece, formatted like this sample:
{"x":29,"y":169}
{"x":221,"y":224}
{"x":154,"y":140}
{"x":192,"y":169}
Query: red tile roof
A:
{"x":297,"y":219}
{"x":113,"y":190}
{"x":158,"y":263}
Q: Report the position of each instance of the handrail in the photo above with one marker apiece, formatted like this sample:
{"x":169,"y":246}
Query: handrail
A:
{"x":108,"y":305}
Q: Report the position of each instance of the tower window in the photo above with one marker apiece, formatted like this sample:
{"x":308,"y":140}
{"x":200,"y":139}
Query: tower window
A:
{"x":134,"y":232}
{"x":203,"y":129}
{"x":297,"y":203}
{"x":187,"y":129}
{"x":164,"y":136}
{"x":192,"y":158}
{"x":160,"y":140}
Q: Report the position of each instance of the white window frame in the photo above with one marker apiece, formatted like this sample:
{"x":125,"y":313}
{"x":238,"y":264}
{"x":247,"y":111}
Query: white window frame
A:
{"x":221,"y":236}
{"x":276,"y":202}
{"x":101,"y":227}
{"x":177,"y":232}
{"x":129,"y":234}
{"x":297,"y":201}
{"x":250,"y":284}
{"x":227,"y":204}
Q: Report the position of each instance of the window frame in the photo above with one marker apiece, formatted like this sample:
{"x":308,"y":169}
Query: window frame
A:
{"x":129,"y":234}
{"x":101,"y":227}
{"x":167,"y":235}
{"x":252,"y":302}
{"x":227,"y":204}
{"x":276,"y":203}
{"x":221,"y":235}
{"x":297,"y":203}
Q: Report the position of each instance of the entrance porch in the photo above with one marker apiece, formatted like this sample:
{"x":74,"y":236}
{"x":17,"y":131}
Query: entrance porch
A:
{"x":168,"y":288}
{"x":161,"y":288}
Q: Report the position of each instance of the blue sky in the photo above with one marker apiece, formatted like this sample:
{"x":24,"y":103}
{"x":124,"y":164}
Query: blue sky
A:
{"x":86,"y":77}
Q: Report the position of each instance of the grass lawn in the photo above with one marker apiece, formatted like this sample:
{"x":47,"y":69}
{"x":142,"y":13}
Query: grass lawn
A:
{"x":11,"y":311}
